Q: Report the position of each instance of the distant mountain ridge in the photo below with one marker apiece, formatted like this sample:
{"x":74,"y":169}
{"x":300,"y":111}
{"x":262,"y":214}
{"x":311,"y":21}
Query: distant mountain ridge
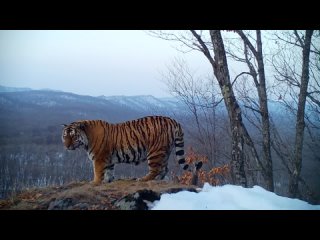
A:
{"x":146,"y":104}
{"x":13,"y":89}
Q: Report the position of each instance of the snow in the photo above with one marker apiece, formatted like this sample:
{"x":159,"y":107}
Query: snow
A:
{"x":67,"y":97}
{"x":229,"y":197}
{"x":143,"y":102}
{"x":47,"y":103}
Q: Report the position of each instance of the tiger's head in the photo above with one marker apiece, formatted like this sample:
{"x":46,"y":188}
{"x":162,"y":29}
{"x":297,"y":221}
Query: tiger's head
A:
{"x":74,"y":136}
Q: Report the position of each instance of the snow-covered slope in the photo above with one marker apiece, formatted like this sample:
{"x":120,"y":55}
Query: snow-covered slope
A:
{"x":229,"y":197}
{"x":146,"y":103}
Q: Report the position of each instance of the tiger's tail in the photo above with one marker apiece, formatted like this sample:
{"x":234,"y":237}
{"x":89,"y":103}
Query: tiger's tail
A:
{"x":179,"y":145}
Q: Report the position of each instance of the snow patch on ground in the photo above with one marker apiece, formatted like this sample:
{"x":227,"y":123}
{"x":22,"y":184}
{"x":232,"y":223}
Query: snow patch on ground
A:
{"x":230,"y":197}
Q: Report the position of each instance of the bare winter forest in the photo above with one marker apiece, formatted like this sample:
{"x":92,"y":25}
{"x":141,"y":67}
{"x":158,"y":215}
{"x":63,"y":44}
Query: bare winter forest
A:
{"x":261,"y":121}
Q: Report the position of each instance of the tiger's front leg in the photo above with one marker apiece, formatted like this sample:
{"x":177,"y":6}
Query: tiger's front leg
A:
{"x":99,"y":169}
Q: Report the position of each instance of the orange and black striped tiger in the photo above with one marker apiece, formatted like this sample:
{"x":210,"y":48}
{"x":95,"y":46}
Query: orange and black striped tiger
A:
{"x":150,"y":138}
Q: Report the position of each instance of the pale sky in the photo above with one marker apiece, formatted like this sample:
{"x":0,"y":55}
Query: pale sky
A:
{"x":90,"y":62}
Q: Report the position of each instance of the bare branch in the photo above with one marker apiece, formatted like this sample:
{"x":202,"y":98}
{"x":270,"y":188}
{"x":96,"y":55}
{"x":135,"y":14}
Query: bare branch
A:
{"x":253,"y":72}
{"x":204,"y":47}
{"x":300,"y":45}
{"x":289,"y":42}
{"x":191,"y":45}
{"x":247,"y":42}
{"x":240,"y":74}
{"x":298,"y":38}
{"x":253,"y":109}
{"x":312,"y":98}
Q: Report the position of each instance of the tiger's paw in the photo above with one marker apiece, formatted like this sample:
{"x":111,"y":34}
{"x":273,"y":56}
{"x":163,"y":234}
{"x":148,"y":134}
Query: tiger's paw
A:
{"x":146,"y":178}
{"x":95,"y":183}
{"x":143,"y":179}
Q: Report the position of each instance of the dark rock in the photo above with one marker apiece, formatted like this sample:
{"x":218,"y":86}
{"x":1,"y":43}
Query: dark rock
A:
{"x":80,"y":206}
{"x":175,"y":190}
{"x":141,"y":199}
{"x":61,"y":204}
{"x":138,"y":200}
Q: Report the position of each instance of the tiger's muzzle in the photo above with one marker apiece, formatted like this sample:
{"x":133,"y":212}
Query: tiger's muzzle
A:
{"x":74,"y":145}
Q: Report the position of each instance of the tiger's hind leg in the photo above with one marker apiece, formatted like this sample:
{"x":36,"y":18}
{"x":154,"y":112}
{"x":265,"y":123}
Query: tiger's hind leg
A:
{"x":158,"y":166}
{"x":162,"y":174}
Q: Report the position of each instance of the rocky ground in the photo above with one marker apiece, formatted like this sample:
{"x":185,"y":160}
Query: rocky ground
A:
{"x":118,"y":195}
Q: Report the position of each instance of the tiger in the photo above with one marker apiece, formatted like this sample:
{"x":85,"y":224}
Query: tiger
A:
{"x":149,"y":138}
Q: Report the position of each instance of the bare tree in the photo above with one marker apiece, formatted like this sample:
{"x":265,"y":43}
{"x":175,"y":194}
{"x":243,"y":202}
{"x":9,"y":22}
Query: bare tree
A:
{"x":300,"y":124}
{"x":297,"y":91}
{"x":252,"y":56}
{"x":220,"y":69}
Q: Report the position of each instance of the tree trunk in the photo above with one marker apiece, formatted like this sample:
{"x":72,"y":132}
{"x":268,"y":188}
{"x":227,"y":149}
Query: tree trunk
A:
{"x":263,"y":99}
{"x":260,"y":83}
{"x":220,"y":68}
{"x":300,"y":124}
